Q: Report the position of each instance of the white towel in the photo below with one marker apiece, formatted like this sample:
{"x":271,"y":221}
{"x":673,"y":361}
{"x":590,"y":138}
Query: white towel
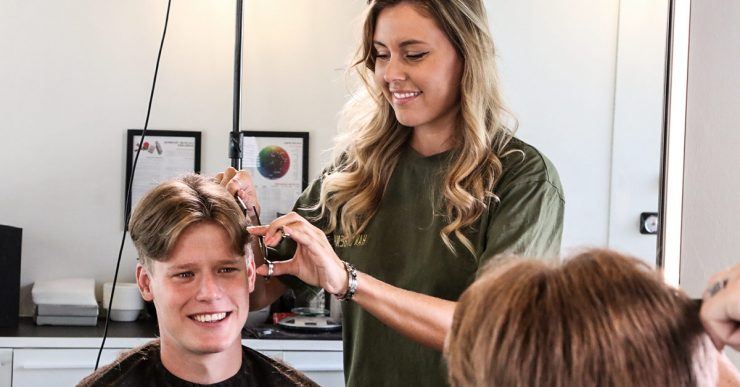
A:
{"x":66,"y":291}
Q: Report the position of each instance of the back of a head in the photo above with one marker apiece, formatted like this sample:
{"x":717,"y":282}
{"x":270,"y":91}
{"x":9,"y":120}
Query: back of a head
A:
{"x":169,"y":208}
{"x":599,"y":319}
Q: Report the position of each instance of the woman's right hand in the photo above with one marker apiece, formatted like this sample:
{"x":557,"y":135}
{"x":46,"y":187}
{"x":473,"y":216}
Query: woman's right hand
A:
{"x":720,"y":311}
{"x":240,"y":182}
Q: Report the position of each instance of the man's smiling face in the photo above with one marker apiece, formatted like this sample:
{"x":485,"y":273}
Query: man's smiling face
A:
{"x":201,"y":291}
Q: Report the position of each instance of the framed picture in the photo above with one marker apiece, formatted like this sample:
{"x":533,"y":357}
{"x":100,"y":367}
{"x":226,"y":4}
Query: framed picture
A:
{"x":278,"y":162}
{"x":165,"y":154}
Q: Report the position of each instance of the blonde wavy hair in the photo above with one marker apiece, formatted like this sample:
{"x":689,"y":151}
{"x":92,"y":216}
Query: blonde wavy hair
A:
{"x":354,"y":184}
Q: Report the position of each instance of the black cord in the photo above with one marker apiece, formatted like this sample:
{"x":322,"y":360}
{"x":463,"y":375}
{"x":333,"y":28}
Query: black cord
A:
{"x":130,"y":183}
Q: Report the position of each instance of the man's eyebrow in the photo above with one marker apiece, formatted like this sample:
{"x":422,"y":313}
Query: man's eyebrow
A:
{"x":229,"y":261}
{"x":403,"y":44}
{"x":190,"y":266}
{"x":184,"y":266}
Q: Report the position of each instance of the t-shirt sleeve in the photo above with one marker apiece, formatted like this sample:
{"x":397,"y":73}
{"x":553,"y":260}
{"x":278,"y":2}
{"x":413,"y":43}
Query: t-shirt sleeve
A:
{"x":528,"y":221}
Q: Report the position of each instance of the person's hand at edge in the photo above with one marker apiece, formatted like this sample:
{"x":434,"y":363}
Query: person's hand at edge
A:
{"x":720,"y":311}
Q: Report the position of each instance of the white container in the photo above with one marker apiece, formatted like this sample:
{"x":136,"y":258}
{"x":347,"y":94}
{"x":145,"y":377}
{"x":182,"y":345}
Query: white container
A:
{"x":335,"y":310}
{"x":127,"y":301}
{"x":257,"y":317}
{"x":65,"y":291}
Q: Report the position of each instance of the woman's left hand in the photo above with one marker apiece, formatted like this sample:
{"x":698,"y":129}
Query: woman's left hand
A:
{"x":314,"y":262}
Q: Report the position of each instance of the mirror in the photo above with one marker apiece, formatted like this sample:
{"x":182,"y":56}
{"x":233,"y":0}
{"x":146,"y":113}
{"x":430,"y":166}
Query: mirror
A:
{"x":585,"y":81}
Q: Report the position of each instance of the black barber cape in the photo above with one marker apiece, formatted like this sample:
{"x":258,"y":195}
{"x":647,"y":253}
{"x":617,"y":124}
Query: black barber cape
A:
{"x":142,"y":367}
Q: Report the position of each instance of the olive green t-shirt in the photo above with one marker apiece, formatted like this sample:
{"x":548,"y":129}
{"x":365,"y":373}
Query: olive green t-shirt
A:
{"x":402,"y":247}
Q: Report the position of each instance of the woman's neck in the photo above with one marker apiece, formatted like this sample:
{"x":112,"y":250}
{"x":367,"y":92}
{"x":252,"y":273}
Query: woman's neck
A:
{"x":436,"y":136}
{"x":202,"y":368}
{"x":431,"y":142}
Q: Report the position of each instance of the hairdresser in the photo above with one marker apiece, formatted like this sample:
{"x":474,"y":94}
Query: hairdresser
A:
{"x":430,"y":184}
{"x":720,"y":311}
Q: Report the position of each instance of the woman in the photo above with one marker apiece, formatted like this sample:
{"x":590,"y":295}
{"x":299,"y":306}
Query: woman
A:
{"x":600,"y":319}
{"x":429,"y":186}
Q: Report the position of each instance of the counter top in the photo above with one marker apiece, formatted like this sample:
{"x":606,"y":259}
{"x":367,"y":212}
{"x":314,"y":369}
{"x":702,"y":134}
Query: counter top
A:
{"x":132,"y":334}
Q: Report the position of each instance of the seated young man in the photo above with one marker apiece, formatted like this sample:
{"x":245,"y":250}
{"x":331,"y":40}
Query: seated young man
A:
{"x":599,"y":319}
{"x":196,"y":268}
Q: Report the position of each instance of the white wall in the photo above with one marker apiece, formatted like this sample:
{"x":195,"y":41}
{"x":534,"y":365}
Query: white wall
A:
{"x":711,"y":177}
{"x":557,"y":62}
{"x":709,"y":239}
{"x":77,"y":73}
{"x":296,"y":54}
{"x":586,"y":81}
{"x":638,"y":123}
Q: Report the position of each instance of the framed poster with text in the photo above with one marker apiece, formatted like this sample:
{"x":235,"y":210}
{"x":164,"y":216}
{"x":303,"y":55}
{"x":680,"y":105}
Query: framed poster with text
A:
{"x":278,"y":162}
{"x":165,"y":154}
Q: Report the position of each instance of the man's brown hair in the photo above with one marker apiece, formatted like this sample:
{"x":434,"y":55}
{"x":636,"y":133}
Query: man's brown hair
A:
{"x":599,"y":319}
{"x":169,"y":208}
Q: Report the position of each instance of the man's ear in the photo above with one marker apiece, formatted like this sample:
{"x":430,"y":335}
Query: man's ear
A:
{"x":144,"y":280}
{"x":251,"y":270}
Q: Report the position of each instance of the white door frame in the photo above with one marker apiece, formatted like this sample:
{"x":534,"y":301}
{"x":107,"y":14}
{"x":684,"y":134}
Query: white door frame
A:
{"x":674,"y":136}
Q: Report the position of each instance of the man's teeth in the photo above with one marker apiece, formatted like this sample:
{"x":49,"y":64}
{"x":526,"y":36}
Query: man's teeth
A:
{"x":406,"y":95}
{"x":210,"y":317}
